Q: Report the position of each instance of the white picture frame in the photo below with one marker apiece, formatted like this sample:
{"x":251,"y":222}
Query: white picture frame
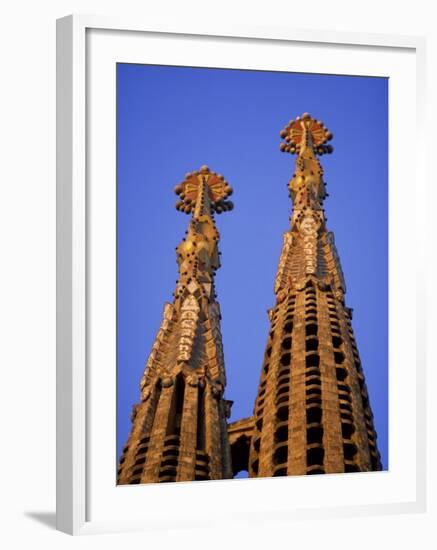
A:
{"x":78,"y":490}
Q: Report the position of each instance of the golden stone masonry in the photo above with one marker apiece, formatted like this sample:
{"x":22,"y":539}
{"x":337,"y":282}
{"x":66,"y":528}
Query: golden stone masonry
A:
{"x":312,"y":413}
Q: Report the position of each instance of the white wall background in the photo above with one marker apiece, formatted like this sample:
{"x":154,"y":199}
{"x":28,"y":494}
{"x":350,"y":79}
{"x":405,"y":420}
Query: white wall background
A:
{"x":27,"y":272}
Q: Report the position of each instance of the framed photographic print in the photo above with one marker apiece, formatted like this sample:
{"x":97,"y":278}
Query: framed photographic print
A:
{"x":202,"y":345}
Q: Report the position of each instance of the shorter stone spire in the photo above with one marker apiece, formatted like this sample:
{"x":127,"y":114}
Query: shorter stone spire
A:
{"x":179,"y":430}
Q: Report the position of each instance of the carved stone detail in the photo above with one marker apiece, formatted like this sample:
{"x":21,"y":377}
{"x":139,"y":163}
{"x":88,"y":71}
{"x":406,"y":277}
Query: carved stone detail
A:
{"x":188,"y":327}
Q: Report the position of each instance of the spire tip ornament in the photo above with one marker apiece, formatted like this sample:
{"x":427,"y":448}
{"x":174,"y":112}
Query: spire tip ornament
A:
{"x":306,"y":132}
{"x":204,"y":186}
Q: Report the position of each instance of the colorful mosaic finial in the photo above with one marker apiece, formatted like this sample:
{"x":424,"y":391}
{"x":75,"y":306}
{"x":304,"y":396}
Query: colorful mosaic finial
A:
{"x":304,"y":132}
{"x":205,"y":192}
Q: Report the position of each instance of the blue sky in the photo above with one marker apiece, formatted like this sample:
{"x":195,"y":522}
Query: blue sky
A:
{"x":172,"y":120}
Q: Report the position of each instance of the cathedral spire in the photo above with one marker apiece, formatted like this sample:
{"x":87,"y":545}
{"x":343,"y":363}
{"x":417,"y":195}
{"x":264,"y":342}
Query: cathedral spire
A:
{"x":179,"y":430}
{"x":312,"y":413}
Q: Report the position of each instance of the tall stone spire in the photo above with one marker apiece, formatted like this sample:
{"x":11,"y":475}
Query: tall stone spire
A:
{"x":312,"y":413}
{"x":179,"y":430}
